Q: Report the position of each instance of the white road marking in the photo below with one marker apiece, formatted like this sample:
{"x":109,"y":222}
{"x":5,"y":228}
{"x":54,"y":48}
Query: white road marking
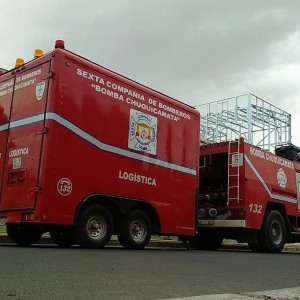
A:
{"x":281,"y":294}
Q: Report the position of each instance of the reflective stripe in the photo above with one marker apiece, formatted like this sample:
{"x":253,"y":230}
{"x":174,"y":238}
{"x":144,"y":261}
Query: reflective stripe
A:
{"x":3,"y":127}
{"x":26,"y":121}
{"x":105,"y":147}
{"x":274,"y":196}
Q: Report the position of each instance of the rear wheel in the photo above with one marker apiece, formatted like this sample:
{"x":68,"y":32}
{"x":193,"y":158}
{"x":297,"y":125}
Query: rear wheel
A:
{"x":63,"y":236}
{"x":272,"y":235}
{"x":23,"y":234}
{"x":134,"y":230}
{"x":208,"y":239}
{"x":95,"y":227}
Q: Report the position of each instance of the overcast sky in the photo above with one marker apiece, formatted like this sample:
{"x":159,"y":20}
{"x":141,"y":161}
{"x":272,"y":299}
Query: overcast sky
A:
{"x":196,"y":51}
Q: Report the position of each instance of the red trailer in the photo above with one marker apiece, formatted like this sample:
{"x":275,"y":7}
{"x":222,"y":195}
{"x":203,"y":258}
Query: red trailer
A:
{"x":86,"y":153}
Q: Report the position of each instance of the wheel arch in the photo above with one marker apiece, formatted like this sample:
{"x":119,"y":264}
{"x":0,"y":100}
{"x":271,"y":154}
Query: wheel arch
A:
{"x":151,"y":212}
{"x":95,"y":199}
{"x":280,"y":208}
{"x":119,"y":206}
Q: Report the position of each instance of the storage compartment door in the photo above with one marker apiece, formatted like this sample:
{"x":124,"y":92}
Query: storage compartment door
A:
{"x":25,"y":137}
{"x":6,"y":94}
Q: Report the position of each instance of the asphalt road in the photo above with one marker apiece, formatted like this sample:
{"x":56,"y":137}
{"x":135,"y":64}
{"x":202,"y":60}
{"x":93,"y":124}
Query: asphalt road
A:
{"x":48,"y":272}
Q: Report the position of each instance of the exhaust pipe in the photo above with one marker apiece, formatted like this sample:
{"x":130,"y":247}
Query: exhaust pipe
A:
{"x":212,"y":212}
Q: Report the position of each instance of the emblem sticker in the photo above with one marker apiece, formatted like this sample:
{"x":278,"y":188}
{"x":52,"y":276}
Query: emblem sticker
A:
{"x":39,"y":90}
{"x":142,"y":132}
{"x":17,"y":162}
{"x":281,"y":178}
{"x":64,"y":186}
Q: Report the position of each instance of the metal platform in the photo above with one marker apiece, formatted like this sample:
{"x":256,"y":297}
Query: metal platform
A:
{"x":258,"y":121}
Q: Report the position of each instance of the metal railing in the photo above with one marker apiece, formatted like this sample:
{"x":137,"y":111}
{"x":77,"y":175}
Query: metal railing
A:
{"x":258,"y":121}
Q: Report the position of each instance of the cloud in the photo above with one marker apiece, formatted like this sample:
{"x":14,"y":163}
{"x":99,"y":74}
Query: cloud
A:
{"x":195,"y":51}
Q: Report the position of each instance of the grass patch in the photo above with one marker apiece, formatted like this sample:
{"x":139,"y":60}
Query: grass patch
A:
{"x":229,"y":242}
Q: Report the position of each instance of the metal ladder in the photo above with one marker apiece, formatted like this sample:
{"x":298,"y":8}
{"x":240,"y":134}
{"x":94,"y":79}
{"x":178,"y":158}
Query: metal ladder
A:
{"x":235,"y":161}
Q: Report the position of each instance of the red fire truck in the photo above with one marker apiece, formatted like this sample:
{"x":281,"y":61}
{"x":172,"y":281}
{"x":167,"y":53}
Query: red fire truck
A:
{"x":248,"y":194}
{"x":86,"y":153}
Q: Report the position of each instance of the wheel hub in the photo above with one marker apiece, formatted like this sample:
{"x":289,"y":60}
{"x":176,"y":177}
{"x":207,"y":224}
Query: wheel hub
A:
{"x":138,"y":231}
{"x":276,"y":232}
{"x":96,"y":227}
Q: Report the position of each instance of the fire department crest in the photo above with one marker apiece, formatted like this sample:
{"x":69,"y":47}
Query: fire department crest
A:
{"x":281,"y":178}
{"x":39,"y":90}
{"x":142,"y":132}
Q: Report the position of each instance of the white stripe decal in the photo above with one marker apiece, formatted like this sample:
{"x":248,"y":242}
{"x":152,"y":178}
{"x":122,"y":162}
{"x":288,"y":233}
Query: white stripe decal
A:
{"x":3,"y":127}
{"x":97,"y":143}
{"x":274,"y":196}
{"x":27,"y":121}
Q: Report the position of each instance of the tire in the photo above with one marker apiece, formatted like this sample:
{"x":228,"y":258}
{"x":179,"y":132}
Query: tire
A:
{"x":208,"y":240}
{"x":23,"y":234}
{"x":95,"y":227}
{"x":63,"y":236}
{"x":134,"y":230}
{"x":272,"y":235}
